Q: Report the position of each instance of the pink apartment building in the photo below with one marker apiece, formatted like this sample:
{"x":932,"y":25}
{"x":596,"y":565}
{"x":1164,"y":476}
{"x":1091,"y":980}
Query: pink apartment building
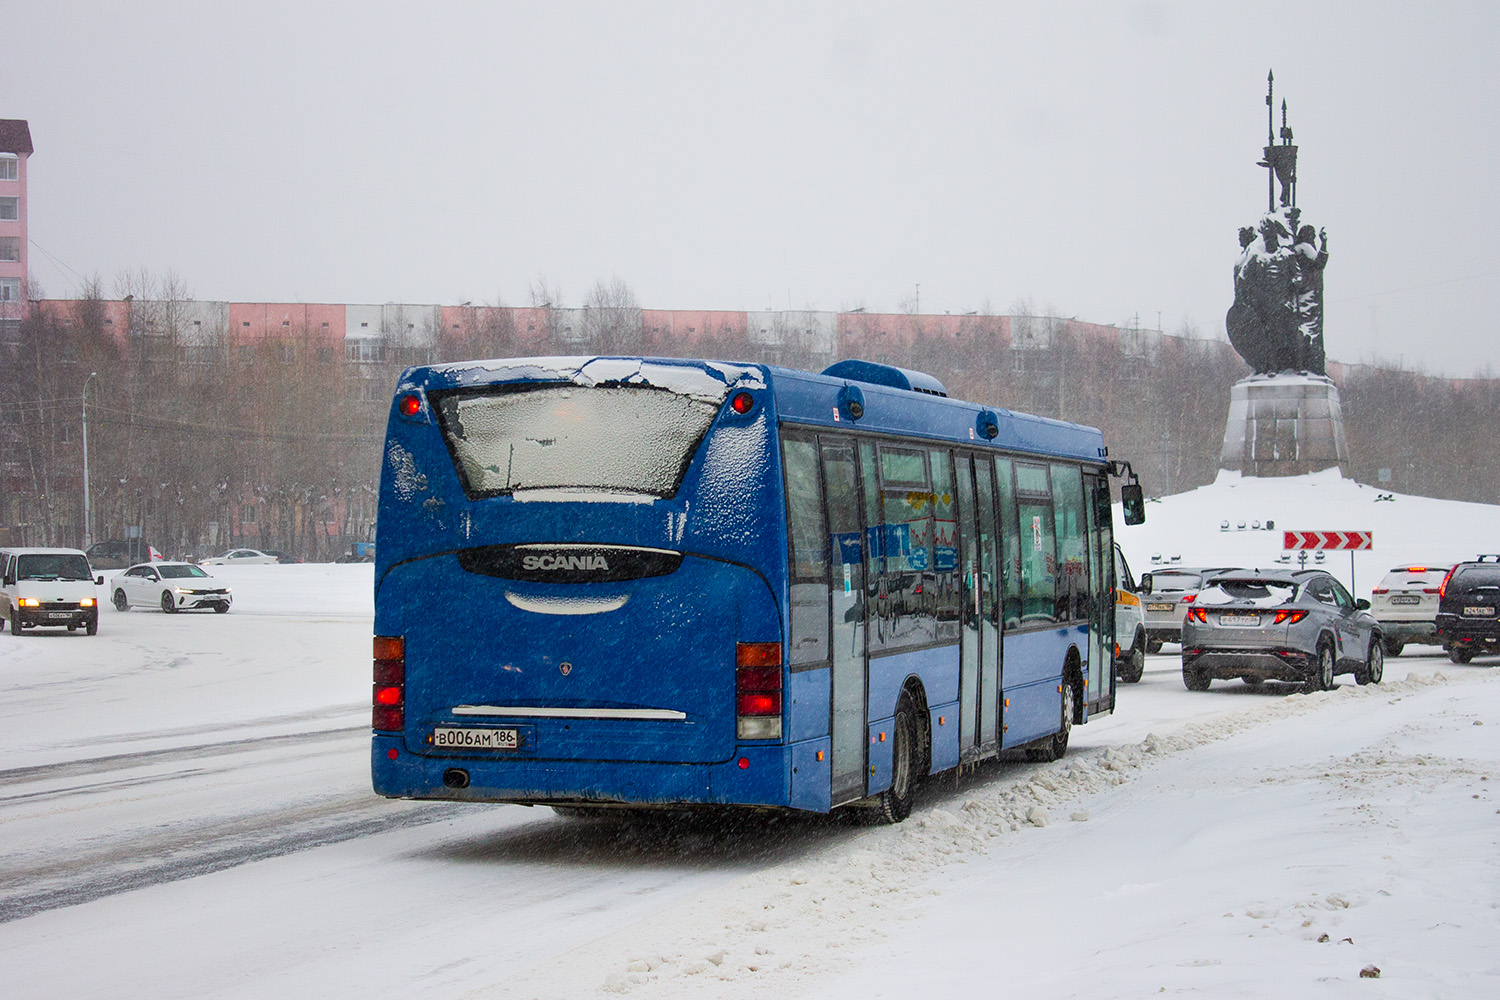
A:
{"x":15,"y":150}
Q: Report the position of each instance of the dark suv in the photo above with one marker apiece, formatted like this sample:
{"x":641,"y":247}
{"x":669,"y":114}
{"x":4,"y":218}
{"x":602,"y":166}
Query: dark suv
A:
{"x":118,"y":553}
{"x":1467,"y":623}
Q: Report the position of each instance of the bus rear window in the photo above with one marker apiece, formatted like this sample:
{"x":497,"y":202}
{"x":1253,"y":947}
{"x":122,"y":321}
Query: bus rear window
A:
{"x":618,"y":439}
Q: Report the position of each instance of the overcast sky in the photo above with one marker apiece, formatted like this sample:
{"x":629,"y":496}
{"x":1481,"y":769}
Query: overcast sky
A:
{"x":1095,"y":159}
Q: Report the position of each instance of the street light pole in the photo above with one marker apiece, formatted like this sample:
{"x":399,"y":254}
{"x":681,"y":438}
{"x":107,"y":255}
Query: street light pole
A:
{"x":88,"y":520}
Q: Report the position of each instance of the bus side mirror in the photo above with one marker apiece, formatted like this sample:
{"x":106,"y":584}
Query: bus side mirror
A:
{"x":1147,"y":584}
{"x":1133,"y":502}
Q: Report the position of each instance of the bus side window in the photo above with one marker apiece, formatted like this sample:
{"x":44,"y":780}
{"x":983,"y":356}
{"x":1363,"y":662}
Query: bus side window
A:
{"x":948,"y":597}
{"x":1072,"y":549}
{"x":1010,"y":541}
{"x":906,"y":496}
{"x":808,"y":536}
{"x":1039,"y":568}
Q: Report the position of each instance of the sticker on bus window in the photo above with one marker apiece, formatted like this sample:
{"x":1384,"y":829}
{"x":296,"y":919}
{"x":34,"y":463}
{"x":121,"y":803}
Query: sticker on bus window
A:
{"x":847,"y":578}
{"x":1036,"y":532}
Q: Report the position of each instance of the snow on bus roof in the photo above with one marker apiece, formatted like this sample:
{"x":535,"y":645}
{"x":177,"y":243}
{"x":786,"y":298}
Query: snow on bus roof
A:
{"x":705,"y":380}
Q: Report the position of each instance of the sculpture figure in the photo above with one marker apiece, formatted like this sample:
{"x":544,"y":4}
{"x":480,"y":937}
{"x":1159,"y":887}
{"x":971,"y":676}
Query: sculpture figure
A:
{"x":1276,"y":321}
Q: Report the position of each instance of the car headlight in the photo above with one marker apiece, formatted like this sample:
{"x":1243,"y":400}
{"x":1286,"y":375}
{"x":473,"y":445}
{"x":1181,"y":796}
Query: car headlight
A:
{"x":87,"y":602}
{"x":29,"y":602}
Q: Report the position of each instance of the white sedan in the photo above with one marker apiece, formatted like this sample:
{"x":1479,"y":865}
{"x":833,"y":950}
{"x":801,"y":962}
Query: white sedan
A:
{"x":171,"y":586}
{"x":240,"y":557}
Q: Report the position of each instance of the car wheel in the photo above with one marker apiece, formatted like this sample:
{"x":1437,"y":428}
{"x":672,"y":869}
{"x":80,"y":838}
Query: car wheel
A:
{"x":1393,"y":647}
{"x":1055,"y":746}
{"x":1253,"y":680}
{"x":1153,"y":646}
{"x":1195,"y":680}
{"x":167,"y":604}
{"x":92,"y":628}
{"x":1455,"y":653}
{"x":1135,"y":664}
{"x":894,"y":804}
{"x":1374,"y":666}
{"x":15,"y":622}
{"x":1322,"y":677}
{"x":122,"y":603}
{"x":220,"y":608}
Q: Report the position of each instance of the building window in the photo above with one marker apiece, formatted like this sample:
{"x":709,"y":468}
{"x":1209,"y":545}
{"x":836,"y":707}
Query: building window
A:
{"x":247,"y":514}
{"x":10,"y":289}
{"x":364,"y":349}
{"x":9,"y":167}
{"x":10,"y":209}
{"x":10,"y":248}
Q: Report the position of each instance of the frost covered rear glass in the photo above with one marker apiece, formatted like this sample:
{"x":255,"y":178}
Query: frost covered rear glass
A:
{"x":614,"y":439}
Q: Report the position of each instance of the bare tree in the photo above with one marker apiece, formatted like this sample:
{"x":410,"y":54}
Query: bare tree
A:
{"x":612,"y":317}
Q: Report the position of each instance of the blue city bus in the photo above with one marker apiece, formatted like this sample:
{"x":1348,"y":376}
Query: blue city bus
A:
{"x":648,"y":582}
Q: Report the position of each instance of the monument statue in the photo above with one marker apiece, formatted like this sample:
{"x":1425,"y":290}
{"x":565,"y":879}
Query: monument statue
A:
{"x":1276,"y":321}
{"x":1286,"y":419}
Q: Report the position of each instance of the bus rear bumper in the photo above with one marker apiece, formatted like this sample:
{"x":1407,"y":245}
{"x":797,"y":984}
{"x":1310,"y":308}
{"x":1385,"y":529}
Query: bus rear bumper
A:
{"x":754,"y":775}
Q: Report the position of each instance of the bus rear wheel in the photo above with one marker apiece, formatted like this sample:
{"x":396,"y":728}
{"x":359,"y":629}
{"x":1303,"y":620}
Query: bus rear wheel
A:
{"x":1054,"y":746}
{"x":894,"y":804}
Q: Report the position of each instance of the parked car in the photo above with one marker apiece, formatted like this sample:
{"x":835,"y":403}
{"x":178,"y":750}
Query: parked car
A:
{"x":1130,"y":624}
{"x":171,"y":586}
{"x":51,"y":588}
{"x":240,"y":557}
{"x":1468,"y":600}
{"x":1170,"y":593}
{"x":1405,"y":603}
{"x":1297,"y":625}
{"x":282,"y":557}
{"x":117,"y":553}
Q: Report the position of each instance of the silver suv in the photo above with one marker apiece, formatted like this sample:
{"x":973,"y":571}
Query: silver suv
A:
{"x":1298,"y":625}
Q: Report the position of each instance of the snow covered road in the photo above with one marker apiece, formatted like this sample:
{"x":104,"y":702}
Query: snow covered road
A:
{"x":185,"y":812}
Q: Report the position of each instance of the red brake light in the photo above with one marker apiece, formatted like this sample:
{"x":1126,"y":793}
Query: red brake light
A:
{"x":757,"y":690}
{"x":389,"y":695}
{"x":1443,"y":588}
{"x":1189,"y":598}
{"x":1198,"y":615}
{"x":1381,"y":590}
{"x":759,"y":703}
{"x":1289,"y":617}
{"x":1430,"y":590}
{"x":1416,"y":569}
{"x":742,"y":402}
{"x":410,"y":405}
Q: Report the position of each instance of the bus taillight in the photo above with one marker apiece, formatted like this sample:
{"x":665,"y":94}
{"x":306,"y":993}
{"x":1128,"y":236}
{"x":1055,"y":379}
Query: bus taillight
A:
{"x":389,"y":696}
{"x":757,"y":690}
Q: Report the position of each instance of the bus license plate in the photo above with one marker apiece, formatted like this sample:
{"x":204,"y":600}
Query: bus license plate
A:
{"x":1239,"y":619}
{"x":476,"y":739}
{"x":1479,"y":612}
{"x":1406,"y":599}
{"x":1161,"y":607}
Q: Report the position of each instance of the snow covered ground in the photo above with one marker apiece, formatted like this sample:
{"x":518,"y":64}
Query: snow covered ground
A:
{"x":185,"y":812}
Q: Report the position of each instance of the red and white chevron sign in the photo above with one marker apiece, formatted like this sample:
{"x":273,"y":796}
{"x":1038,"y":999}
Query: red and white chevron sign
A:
{"x":1357,"y":540}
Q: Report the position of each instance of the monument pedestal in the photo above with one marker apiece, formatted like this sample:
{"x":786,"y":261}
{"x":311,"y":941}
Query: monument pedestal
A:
{"x":1287,"y":424}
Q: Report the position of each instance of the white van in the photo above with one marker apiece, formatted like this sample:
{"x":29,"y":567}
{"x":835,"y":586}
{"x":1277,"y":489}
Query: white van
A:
{"x":1130,"y":624}
{"x":49,"y":588}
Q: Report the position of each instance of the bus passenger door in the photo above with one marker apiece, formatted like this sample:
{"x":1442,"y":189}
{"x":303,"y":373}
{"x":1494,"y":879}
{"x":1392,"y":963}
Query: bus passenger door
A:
{"x":1101,"y":603}
{"x":971,"y":690}
{"x":989,"y":606}
{"x":847,"y":638}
